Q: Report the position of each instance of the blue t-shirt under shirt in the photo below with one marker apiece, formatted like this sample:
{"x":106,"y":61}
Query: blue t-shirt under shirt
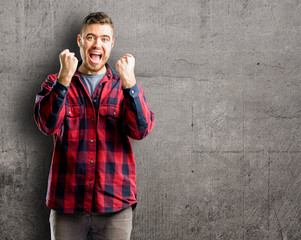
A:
{"x":91,"y":81}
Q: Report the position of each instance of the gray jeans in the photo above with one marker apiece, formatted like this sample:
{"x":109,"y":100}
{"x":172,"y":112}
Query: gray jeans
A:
{"x":117,"y":226}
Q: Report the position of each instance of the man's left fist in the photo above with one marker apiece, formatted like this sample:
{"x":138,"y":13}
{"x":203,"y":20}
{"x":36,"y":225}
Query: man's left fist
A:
{"x":125,"y":68}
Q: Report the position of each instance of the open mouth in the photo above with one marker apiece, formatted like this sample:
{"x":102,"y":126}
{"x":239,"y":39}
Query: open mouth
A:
{"x":95,"y":57}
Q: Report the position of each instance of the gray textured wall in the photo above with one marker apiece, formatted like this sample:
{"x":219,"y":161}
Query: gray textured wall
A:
{"x":223,"y":78}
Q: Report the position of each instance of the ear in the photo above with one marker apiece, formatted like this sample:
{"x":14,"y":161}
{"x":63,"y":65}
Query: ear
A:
{"x":79,"y":40}
{"x":113,"y":41}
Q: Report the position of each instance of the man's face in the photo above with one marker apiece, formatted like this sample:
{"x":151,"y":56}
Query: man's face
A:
{"x":95,"y":43}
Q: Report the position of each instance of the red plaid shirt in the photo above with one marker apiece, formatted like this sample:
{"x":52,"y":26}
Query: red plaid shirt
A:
{"x":93,"y":167}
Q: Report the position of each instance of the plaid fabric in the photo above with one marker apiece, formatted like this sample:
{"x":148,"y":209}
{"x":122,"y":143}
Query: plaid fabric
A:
{"x":93,"y":166}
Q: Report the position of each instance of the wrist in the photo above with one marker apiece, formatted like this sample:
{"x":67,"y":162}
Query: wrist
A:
{"x":128,"y":83}
{"x":64,"y":81}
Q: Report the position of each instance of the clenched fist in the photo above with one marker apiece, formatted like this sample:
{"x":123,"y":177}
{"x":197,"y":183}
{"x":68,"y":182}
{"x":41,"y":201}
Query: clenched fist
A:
{"x":125,"y":68}
{"x":68,"y":67}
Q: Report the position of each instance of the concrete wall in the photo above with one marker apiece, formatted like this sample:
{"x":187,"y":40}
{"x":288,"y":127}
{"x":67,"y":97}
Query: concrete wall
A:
{"x":223,"y":78}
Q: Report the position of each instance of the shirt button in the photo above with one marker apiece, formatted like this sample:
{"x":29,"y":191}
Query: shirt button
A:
{"x":64,"y":91}
{"x":133,"y":91}
{"x":91,"y":140}
{"x":114,"y":113}
{"x":90,"y":182}
{"x":91,"y":161}
{"x":69,"y":113}
{"x":94,"y":100}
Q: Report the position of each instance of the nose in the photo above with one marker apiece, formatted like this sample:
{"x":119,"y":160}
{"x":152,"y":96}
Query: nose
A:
{"x":97,"y":43}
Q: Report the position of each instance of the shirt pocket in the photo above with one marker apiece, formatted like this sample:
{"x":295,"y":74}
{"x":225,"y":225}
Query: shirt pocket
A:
{"x":109,"y":111}
{"x":109,"y":117}
{"x":73,"y":111}
{"x":73,"y":121}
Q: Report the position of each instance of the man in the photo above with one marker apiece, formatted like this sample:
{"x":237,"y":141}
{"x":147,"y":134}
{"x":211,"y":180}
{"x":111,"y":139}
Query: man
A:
{"x":92,"y":111}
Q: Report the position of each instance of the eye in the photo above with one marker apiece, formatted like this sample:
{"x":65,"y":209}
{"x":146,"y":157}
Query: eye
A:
{"x":90,"y":38}
{"x":105,"y":39}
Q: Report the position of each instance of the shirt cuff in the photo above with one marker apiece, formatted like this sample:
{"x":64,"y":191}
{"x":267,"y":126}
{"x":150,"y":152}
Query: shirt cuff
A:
{"x":131,"y":92}
{"x":60,"y":89}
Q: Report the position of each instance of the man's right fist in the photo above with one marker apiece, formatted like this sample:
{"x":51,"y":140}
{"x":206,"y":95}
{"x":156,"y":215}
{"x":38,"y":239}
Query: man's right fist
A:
{"x":68,"y":67}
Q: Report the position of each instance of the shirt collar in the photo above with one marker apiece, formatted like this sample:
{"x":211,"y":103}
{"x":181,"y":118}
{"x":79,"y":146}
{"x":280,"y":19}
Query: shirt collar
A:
{"x":110,"y":72}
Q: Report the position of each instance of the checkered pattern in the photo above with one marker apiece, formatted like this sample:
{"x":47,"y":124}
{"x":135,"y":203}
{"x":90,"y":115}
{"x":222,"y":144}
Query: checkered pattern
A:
{"x":93,"y":166}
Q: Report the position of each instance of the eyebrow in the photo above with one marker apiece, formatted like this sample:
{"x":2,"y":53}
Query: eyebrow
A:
{"x":104,"y":35}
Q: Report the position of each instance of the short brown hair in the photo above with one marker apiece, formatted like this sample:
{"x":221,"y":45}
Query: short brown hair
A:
{"x":97,"y":17}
